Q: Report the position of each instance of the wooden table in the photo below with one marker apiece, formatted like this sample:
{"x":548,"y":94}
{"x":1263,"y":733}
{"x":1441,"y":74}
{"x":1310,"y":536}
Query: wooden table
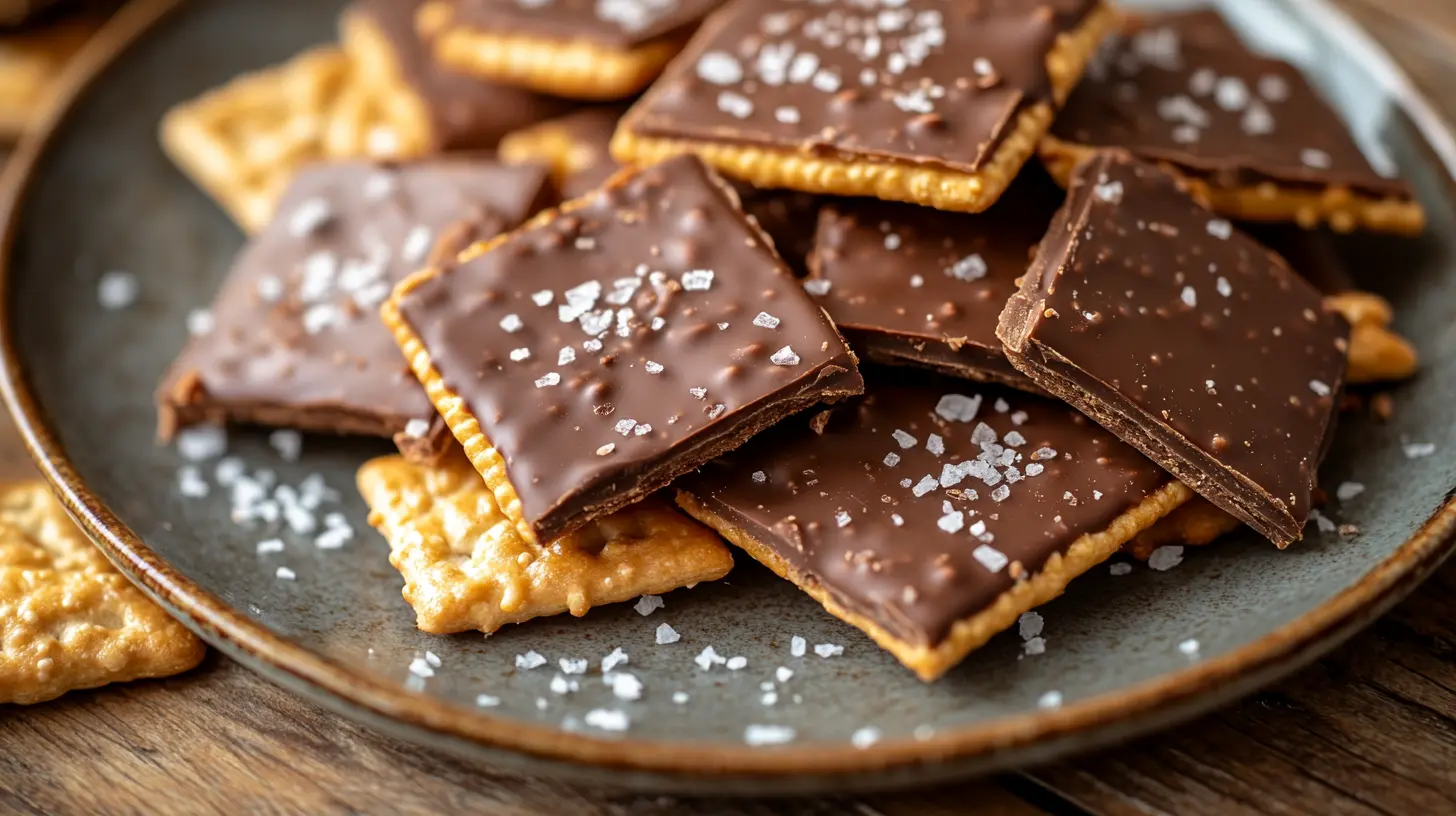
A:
{"x":1371,"y":729}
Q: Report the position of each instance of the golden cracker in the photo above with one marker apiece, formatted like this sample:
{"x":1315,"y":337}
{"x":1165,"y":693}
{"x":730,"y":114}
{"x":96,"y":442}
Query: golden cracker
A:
{"x":1194,"y":524}
{"x":768,"y":167}
{"x":68,"y":620}
{"x":242,"y":142}
{"x":30,"y":60}
{"x":575,"y":69}
{"x":555,"y":144}
{"x":1376,"y":354}
{"x":968,"y":634}
{"x":1338,"y":206}
{"x":465,"y":567}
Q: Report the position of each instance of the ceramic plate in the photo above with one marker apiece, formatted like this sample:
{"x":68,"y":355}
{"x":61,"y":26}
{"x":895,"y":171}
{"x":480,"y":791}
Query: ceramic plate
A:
{"x":91,"y":193}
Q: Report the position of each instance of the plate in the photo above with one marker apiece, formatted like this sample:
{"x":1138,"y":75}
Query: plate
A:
{"x":90,"y":192}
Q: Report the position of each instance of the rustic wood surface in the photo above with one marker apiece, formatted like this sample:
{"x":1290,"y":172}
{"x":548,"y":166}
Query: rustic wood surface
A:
{"x":1371,"y":729}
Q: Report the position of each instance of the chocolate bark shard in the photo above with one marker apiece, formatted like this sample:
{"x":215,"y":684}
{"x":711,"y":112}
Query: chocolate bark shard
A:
{"x":1185,"y":338}
{"x":589,"y":358}
{"x":911,"y":286}
{"x":1249,"y":131}
{"x":931,"y":512}
{"x":293,"y":338}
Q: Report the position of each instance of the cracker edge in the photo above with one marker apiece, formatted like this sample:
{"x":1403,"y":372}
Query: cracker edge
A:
{"x":575,"y":69}
{"x":378,"y":69}
{"x":966,"y":634}
{"x":1341,"y":208}
{"x":371,"y":483}
{"x":891,"y":180}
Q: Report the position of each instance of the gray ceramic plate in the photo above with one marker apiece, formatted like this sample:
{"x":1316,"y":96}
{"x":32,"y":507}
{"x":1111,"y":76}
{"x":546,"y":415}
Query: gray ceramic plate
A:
{"x":93,"y":193}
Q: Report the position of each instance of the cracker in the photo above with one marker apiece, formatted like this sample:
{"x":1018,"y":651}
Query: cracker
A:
{"x":578,"y":49}
{"x":31,"y":58}
{"x":465,"y":567}
{"x":942,"y":111}
{"x":604,"y":349}
{"x":1377,"y":353}
{"x":68,"y":620}
{"x":931,"y":516}
{"x":1250,"y":136}
{"x":243,"y":142}
{"x":1194,"y":524}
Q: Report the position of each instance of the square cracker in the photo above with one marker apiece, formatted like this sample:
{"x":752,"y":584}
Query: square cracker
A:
{"x":587,"y":359}
{"x":243,"y":142}
{"x":930,"y":515}
{"x":1249,"y":135}
{"x":31,"y":58}
{"x":465,"y":566}
{"x":932,"y":102}
{"x":578,"y":49}
{"x":68,"y":620}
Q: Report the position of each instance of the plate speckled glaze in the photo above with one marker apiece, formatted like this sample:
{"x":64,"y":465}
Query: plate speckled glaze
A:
{"x":91,"y":192}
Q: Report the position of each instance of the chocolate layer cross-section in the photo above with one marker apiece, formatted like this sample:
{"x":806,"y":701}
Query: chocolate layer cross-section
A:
{"x":911,"y":286}
{"x":293,"y":339}
{"x":1184,"y":337}
{"x":589,"y":358}
{"x":1256,"y":141}
{"x":935,"y":102}
{"x":431,"y":108}
{"x":931,"y":514}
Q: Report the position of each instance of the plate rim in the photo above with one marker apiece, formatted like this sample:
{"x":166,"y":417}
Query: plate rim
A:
{"x":1095,"y":720}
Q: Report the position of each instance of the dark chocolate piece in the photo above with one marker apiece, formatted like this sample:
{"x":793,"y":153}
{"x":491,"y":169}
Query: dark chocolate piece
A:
{"x":1184,"y":337}
{"x":294,"y":338}
{"x":619,"y":24}
{"x":1183,"y":89}
{"x":788,"y":216}
{"x":463,"y":113}
{"x":1310,"y":252}
{"x":916,"y":500}
{"x":936,"y":83}
{"x":613,"y":346}
{"x":913,"y":286}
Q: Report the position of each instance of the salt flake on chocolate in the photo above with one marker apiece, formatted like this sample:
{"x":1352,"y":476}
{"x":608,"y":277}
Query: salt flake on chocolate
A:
{"x":972,"y":267}
{"x":719,"y":68}
{"x":817,"y":287}
{"x":766,"y":321}
{"x":1220,"y":229}
{"x":784,"y":357}
{"x":990,"y":557}
{"x":697,"y":280}
{"x":958,"y":407}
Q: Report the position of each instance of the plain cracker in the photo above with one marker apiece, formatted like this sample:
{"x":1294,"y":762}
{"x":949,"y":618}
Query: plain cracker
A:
{"x":68,"y":619}
{"x":465,"y":567}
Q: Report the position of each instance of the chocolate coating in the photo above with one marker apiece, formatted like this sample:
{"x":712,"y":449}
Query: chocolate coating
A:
{"x":464,"y":113}
{"x":620,"y":24}
{"x":1184,"y":337}
{"x":591,"y":412}
{"x":295,"y":338}
{"x":841,"y":508}
{"x":1183,"y":89}
{"x":913,"y":286}
{"x":934,"y":82}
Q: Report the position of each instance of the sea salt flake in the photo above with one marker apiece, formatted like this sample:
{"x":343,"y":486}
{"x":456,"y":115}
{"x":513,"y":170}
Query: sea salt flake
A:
{"x":784,"y":357}
{"x":1189,"y":647}
{"x":1316,"y":159}
{"x":736,"y":663}
{"x":1418,"y":450}
{"x":1188,"y":296}
{"x":1349,"y":490}
{"x":905,"y":440}
{"x":828,"y":649}
{"x":925,"y":485}
{"x":287,"y":442}
{"x":1030,"y":624}
{"x":842,"y":519}
{"x":198,"y":443}
{"x":285,"y":574}
{"x":1221,"y":229}
{"x":1319,"y":388}
{"x":416,"y":245}
{"x":666,"y":634}
{"x":1222,"y":286}
{"x":952,"y":522}
{"x":817,"y":286}
{"x":574,"y":665}
{"x":864,"y":737}
{"x":1110,"y":191}
{"x":1165,"y":557}
{"x":487,"y":700}
{"x":652,"y":367}
{"x":530,"y":660}
{"x":1050,"y":700}
{"x":270,"y":545}
{"x":420,"y":667}
{"x":990,"y":557}
{"x":607,"y":719}
{"x":766,"y":320}
{"x":308,"y":217}
{"x":648,"y":604}
{"x":1120,"y":568}
{"x":613,"y":660}
{"x":1001,"y":494}
{"x":512,"y":323}
{"x":708,"y":658}
{"x":549,"y":379}
{"x":797,"y":646}
{"x":897,"y":520}
{"x":892,"y":459}
{"x":783,"y":674}
{"x":719,"y":68}
{"x":958,"y":407}
{"x":759,"y":476}
{"x":117,"y":290}
{"x":758,"y":735}
{"x":679,"y":697}
{"x":935,"y":444}
{"x":972,"y":267}
{"x":543,"y":297}
{"x":1034,"y":646}
{"x":625,"y":686}
{"x":417,"y":428}
{"x":697,"y":280}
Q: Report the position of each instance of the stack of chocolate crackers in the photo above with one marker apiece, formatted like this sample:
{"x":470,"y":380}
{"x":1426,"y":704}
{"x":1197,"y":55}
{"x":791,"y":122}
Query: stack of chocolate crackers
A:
{"x":813,"y":292}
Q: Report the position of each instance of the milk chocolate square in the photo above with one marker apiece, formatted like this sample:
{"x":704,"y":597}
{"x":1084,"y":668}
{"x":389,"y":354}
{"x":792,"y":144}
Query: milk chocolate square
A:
{"x":911,"y":286}
{"x":294,"y":339}
{"x":1184,"y":337}
{"x":932,"y":512}
{"x":589,"y":358}
{"x":437,"y":109}
{"x":1257,"y":141}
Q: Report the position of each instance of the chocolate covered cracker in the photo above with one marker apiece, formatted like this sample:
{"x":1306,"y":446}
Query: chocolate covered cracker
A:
{"x":580,"y":49}
{"x":1255,"y":141}
{"x":934,"y":102}
{"x":1184,"y":337}
{"x":587,"y":359}
{"x":911,"y":286}
{"x":575,"y":146}
{"x":294,"y":337}
{"x":431,"y":108}
{"x":929,"y":513}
